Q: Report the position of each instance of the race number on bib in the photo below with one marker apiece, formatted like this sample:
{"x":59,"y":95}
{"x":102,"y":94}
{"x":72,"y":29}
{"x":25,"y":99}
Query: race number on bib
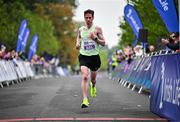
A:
{"x":89,"y":45}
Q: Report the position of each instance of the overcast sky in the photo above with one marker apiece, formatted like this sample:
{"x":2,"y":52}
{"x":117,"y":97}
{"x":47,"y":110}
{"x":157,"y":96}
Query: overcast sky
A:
{"x":107,"y":14}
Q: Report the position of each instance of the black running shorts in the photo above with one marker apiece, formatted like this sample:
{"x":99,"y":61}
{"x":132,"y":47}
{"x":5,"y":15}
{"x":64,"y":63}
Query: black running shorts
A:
{"x":92,"y":62}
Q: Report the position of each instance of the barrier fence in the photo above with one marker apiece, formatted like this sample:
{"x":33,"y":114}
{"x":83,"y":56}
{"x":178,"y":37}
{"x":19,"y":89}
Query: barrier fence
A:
{"x":11,"y":72}
{"x":165,"y":87}
{"x":16,"y":71}
{"x":135,"y":74}
{"x":160,"y":74}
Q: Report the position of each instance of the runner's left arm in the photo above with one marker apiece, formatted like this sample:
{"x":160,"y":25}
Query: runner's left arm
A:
{"x":100,"y":38}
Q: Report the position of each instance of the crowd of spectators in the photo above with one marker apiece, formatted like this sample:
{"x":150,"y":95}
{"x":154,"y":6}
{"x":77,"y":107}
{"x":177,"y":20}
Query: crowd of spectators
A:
{"x":128,"y":53}
{"x":169,"y":43}
{"x":41,"y":65}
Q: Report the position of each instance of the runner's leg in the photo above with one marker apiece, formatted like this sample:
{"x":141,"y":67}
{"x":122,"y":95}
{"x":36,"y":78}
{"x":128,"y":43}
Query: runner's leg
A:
{"x":93,"y":77}
{"x":93,"y":86}
{"x":84,"y":71}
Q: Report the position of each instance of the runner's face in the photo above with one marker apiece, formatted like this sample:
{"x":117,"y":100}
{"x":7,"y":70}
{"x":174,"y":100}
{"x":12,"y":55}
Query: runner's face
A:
{"x":88,"y":19}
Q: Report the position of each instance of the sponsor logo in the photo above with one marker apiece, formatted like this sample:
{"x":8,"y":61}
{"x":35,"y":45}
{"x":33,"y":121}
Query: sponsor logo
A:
{"x":164,"y":4}
{"x":129,"y":15}
{"x":170,"y":89}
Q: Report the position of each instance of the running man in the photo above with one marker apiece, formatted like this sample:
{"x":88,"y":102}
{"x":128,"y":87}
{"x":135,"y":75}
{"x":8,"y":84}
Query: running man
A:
{"x":89,"y":38}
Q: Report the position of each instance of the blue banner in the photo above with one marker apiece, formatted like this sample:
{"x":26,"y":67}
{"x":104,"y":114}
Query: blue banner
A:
{"x":133,"y":19}
{"x":24,"y":41}
{"x":33,"y":46}
{"x":20,"y":34}
{"x":165,"y":89}
{"x":167,"y":11}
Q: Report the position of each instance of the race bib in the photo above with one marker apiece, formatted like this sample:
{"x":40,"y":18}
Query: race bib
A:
{"x":89,"y":45}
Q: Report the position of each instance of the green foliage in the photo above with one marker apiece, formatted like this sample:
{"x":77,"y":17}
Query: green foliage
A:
{"x":44,"y":29}
{"x":64,"y":27}
{"x":54,"y":27}
{"x":31,"y":4}
{"x":150,"y":19}
{"x":127,"y":34}
{"x":9,"y":22}
{"x":104,"y":58}
{"x":149,"y":15}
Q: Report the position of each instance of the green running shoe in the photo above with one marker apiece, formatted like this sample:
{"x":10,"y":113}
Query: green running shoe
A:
{"x":92,"y":90}
{"x":85,"y":103}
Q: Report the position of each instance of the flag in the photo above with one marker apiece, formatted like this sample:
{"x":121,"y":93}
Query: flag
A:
{"x":133,"y":19}
{"x":167,"y":11}
{"x":24,"y":40}
{"x":33,"y":46}
{"x":20,"y":34}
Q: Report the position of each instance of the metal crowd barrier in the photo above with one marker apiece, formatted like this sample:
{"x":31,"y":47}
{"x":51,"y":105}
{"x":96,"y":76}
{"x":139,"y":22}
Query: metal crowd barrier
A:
{"x":158,"y":72}
{"x":165,"y":86}
{"x":10,"y":73}
{"x":137,"y":74}
{"x":17,"y":71}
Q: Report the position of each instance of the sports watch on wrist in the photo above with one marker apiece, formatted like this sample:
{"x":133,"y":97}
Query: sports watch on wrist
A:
{"x":96,"y":39}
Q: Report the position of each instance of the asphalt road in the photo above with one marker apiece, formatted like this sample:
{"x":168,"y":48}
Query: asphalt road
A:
{"x":55,"y":99}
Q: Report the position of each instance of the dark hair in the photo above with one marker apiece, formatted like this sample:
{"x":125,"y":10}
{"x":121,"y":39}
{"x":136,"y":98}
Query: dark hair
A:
{"x":170,"y":40}
{"x":89,"y":11}
{"x":176,"y":34}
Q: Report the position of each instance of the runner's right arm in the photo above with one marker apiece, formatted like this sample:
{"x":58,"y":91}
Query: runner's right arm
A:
{"x":78,"y":43}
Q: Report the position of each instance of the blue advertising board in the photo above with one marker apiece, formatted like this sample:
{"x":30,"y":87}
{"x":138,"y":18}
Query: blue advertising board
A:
{"x":165,"y":89}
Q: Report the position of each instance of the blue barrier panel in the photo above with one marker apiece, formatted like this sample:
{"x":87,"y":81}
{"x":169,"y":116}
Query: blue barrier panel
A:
{"x":143,"y":73}
{"x":165,"y":89}
{"x":137,"y":72}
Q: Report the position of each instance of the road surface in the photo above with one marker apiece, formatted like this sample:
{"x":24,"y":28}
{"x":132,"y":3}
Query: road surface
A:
{"x":55,"y":99}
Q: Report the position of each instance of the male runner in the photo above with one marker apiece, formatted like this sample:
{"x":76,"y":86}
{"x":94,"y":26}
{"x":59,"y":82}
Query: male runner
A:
{"x":88,"y":40}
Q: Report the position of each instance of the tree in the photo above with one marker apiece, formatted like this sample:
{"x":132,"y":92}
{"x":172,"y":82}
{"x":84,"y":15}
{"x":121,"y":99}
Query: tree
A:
{"x":45,"y":31}
{"x":9,"y":22}
{"x":150,"y":19}
{"x":61,"y":17}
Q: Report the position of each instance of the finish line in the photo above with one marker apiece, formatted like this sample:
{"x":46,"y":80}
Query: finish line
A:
{"x":79,"y":119}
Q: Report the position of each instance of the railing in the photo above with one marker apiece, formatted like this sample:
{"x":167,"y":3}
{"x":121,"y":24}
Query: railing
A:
{"x":17,"y":71}
{"x":11,"y":72}
{"x":159,"y":73}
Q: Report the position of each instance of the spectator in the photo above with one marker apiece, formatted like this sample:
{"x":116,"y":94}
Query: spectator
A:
{"x":119,"y":55}
{"x":2,"y":52}
{"x":173,"y":42}
{"x":114,"y":63}
{"x":22,"y":56}
{"x":7,"y":56}
{"x":138,"y":50}
{"x":150,"y":49}
{"x":129,"y":53}
{"x":13,"y":57}
{"x":77,"y":69}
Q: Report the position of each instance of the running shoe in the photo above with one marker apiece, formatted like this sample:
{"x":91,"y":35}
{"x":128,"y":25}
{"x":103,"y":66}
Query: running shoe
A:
{"x":92,"y":90}
{"x":85,"y":103}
